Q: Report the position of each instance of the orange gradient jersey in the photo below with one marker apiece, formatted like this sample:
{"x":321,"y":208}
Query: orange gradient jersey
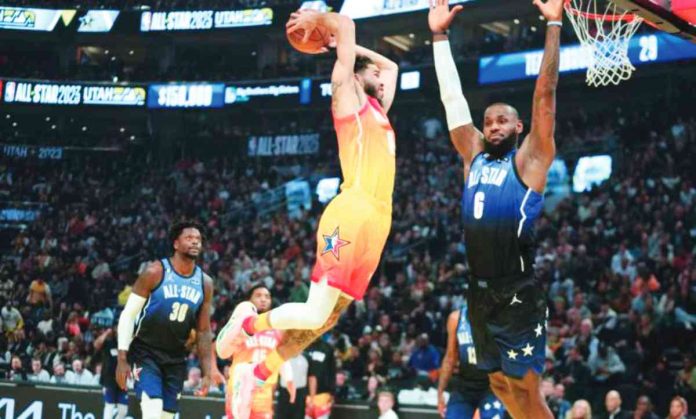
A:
{"x":367,"y":151}
{"x":255,"y":350}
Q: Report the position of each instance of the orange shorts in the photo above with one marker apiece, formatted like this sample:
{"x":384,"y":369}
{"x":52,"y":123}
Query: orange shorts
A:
{"x":351,"y":236}
{"x":262,"y":402}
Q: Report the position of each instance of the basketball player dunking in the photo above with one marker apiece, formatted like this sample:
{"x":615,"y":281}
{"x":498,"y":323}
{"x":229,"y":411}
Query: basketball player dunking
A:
{"x":254,"y":349}
{"x":502,"y":198}
{"x":169,"y":299}
{"x":355,"y":225}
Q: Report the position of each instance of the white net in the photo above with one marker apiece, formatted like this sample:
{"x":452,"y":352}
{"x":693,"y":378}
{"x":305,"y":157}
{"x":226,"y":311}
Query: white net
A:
{"x":605,"y":31}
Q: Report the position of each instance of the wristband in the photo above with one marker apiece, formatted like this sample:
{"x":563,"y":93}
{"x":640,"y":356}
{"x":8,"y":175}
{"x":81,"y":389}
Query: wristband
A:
{"x":445,"y":32}
{"x":555,"y":23}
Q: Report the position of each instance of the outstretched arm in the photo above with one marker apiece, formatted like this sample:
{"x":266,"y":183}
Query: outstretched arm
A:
{"x":466,"y":138}
{"x":389,"y":73}
{"x":539,"y":149}
{"x":345,"y":99}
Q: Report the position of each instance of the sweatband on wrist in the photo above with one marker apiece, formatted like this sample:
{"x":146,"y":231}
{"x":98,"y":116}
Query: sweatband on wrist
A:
{"x":456,"y":106}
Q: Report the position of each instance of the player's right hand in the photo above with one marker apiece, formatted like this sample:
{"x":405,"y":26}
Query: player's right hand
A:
{"x":304,"y":19}
{"x":123,"y":372}
{"x":441,"y":405}
{"x":440,"y":16}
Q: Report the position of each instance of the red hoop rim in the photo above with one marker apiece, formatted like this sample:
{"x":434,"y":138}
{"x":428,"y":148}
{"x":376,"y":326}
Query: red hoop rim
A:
{"x":626,"y":17}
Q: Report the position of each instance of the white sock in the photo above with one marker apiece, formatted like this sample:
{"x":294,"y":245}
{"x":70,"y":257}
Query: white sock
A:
{"x":109,"y":410}
{"x":151,"y":408}
{"x":167,"y":415}
{"x":122,"y":410}
{"x":310,"y":315}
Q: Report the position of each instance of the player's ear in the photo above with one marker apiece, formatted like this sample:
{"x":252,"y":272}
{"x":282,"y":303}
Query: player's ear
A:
{"x":520,"y":127}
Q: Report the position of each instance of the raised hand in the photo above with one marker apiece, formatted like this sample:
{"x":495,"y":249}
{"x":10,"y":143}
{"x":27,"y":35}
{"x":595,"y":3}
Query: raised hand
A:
{"x":440,"y":16}
{"x":304,"y":19}
{"x":551,"y":9}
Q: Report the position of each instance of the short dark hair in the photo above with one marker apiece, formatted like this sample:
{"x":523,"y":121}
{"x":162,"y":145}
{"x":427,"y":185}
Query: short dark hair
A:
{"x":254,"y":288}
{"x":361,"y":63}
{"x":177,"y":228}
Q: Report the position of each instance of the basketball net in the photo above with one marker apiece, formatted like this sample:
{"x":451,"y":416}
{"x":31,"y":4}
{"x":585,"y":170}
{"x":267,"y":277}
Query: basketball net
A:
{"x":605,"y":32}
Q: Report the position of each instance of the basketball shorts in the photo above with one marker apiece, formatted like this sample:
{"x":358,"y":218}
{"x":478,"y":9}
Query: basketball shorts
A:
{"x":461,"y":406}
{"x":261,"y":405}
{"x":321,"y":408}
{"x":508,"y":324}
{"x":114,"y":395}
{"x":351,"y":235}
{"x":159,"y":381}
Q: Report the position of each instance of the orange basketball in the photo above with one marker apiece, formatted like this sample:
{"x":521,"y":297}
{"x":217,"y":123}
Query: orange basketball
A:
{"x":319,"y":38}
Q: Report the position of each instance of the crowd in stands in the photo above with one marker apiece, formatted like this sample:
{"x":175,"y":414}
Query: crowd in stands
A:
{"x":617,"y":260}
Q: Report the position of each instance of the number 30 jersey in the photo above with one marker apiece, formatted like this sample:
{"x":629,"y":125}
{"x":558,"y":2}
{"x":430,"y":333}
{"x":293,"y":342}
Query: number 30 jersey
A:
{"x":170,"y":313}
{"x":499,"y":214}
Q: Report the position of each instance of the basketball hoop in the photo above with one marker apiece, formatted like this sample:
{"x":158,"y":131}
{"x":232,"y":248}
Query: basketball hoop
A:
{"x":605,"y":32}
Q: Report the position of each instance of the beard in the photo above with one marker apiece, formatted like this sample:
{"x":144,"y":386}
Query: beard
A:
{"x":190,"y":255}
{"x":499,"y":150}
{"x":372,"y":90}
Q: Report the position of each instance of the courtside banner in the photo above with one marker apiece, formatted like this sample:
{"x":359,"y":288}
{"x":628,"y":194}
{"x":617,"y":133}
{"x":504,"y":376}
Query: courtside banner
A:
{"x":28,"y":401}
{"x":25,"y":19}
{"x":203,"y":20}
{"x":73,"y":94}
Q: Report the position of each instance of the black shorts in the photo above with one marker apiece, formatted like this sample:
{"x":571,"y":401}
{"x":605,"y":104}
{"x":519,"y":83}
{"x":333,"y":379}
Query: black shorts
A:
{"x":508,"y":324}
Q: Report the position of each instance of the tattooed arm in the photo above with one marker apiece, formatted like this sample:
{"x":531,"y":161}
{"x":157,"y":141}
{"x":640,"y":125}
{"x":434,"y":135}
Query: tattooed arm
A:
{"x":539,"y":148}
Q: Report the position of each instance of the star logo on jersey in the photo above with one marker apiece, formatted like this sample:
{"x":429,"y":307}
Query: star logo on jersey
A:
{"x":136,"y":372}
{"x":333,"y":244}
{"x":527,"y":350}
{"x":538,"y":330}
{"x":512,"y":354}
{"x":497,"y":405}
{"x":515,"y":300}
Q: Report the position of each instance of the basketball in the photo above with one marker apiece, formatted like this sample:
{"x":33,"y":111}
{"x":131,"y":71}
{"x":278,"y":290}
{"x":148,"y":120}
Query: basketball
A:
{"x":319,"y":38}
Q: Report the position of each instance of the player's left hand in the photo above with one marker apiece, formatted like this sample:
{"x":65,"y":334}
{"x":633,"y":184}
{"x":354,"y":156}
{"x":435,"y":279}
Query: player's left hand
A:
{"x":551,"y":9}
{"x":304,"y":19}
{"x":205,"y":386}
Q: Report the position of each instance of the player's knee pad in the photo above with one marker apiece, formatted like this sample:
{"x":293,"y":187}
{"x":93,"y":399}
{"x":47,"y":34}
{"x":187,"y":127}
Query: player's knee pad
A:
{"x":167,"y":415}
{"x":109,"y":410}
{"x":122,"y":411}
{"x":152,"y":408}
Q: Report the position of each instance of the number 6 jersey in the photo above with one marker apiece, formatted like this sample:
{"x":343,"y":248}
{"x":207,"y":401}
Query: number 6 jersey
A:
{"x":499,"y":213}
{"x":165,"y":322}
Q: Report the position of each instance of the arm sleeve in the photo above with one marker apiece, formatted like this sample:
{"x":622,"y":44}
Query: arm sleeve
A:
{"x":456,"y":106}
{"x":126,"y":323}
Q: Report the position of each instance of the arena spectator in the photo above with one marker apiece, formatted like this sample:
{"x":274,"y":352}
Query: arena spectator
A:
{"x":61,"y":376}
{"x":38,"y":374}
{"x":425,"y":359}
{"x":678,"y":409}
{"x":644,"y":409}
{"x":82,"y":376}
{"x":612,"y":404}
{"x":581,"y":410}
{"x":385,"y":404}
